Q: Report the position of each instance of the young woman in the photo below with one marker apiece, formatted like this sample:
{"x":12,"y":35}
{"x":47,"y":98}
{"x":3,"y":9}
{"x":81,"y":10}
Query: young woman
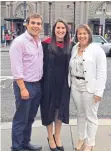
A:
{"x":55,"y":100}
{"x":87,"y":78}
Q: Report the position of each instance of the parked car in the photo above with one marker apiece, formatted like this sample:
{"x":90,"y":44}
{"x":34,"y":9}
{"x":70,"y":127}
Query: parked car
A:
{"x":98,"y":39}
{"x":103,"y":43}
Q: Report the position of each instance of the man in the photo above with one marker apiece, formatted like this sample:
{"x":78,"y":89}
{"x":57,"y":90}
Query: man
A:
{"x":26,"y":57}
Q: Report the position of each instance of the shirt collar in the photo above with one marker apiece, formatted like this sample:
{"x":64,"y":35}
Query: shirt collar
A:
{"x":30,"y":37}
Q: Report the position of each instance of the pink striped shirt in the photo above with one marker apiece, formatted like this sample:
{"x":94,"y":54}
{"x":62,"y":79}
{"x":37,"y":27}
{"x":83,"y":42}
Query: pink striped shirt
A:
{"x":26,"y":55}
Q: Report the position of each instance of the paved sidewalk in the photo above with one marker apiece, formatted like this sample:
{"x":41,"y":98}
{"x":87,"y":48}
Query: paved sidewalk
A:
{"x":4,"y":49}
{"x":68,"y":136}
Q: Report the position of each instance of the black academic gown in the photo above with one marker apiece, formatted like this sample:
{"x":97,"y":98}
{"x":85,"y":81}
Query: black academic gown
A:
{"x":55,"y":89}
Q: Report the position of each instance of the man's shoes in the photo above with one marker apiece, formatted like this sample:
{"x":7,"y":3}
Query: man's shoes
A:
{"x":32,"y":147}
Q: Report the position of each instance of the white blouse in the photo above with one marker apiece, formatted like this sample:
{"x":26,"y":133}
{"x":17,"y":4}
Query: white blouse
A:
{"x":76,"y":65}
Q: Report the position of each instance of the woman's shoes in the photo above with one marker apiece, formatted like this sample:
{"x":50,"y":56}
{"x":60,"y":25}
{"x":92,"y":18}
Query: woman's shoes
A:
{"x":61,"y":148}
{"x":79,"y":149}
{"x":52,"y":149}
{"x":80,"y":145}
{"x":88,"y":148}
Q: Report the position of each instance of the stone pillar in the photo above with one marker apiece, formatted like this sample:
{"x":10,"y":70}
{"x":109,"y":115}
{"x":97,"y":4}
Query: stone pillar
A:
{"x":87,"y":11}
{"x":84,"y":11}
{"x":40,"y":8}
{"x":81,"y":12}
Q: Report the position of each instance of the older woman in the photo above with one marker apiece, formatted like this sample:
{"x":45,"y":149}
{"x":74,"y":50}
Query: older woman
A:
{"x":87,"y":78}
{"x":56,"y":95}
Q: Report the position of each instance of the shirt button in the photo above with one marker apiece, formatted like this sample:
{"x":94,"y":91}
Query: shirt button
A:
{"x":83,"y":59}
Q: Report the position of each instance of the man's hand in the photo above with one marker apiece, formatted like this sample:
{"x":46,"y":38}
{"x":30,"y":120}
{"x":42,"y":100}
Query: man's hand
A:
{"x":23,"y":90}
{"x":24,"y":94}
{"x":97,"y":98}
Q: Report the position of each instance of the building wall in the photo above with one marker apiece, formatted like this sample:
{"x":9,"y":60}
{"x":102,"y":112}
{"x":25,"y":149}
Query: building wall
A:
{"x":92,"y":7}
{"x":3,"y":12}
{"x":84,"y":11}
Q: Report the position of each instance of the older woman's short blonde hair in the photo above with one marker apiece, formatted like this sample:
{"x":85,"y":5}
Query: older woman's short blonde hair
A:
{"x":87,"y":28}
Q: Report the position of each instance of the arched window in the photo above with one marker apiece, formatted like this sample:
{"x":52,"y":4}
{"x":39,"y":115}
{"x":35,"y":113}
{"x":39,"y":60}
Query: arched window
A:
{"x":104,"y":7}
{"x":19,"y":12}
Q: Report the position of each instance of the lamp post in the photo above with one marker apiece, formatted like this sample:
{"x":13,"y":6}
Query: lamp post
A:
{"x":105,"y":16}
{"x":74,"y":17}
{"x":8,"y":15}
{"x":36,"y":6}
{"x":24,"y":14}
{"x":102,"y":22}
{"x":72,"y":25}
{"x":50,"y":3}
{"x":11,"y":14}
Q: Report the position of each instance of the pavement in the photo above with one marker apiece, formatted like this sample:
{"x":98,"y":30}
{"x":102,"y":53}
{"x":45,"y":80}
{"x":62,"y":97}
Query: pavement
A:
{"x":68,"y":135}
{"x":68,"y":132}
{"x":4,"y":48}
{"x":8,"y":100}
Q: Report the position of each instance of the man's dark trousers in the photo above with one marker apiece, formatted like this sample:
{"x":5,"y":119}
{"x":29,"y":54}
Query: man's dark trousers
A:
{"x":26,"y":111}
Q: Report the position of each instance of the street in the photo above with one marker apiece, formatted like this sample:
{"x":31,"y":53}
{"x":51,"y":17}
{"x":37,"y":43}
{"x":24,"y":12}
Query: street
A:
{"x":7,"y":97}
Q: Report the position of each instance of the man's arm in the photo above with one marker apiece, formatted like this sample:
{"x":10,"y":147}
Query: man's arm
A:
{"x":16,"y":58}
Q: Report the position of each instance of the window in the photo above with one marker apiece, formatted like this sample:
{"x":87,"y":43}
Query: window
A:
{"x":98,"y":39}
{"x":104,"y":7}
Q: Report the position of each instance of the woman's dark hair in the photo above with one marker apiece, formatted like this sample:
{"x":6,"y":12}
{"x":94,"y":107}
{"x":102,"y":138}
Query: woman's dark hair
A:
{"x":66,"y":37}
{"x":87,"y":28}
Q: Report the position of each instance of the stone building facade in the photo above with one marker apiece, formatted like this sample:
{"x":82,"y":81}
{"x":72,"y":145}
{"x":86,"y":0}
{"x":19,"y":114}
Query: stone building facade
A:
{"x":95,"y":13}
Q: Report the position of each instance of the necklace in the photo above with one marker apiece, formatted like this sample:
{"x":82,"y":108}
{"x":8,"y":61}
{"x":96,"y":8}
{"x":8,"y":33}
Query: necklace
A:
{"x":81,"y":49}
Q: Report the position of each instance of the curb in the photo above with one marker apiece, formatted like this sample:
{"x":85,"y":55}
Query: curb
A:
{"x":4,"y":51}
{"x":72,"y":122}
